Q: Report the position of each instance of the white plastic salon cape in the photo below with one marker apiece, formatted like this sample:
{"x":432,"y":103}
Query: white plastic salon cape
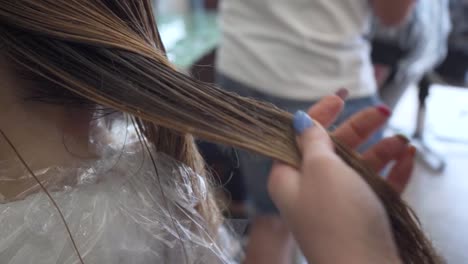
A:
{"x":120,"y":209}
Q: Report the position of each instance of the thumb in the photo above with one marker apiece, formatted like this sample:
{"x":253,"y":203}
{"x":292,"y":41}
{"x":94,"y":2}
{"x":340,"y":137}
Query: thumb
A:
{"x":312,"y":138}
{"x":283,"y":184}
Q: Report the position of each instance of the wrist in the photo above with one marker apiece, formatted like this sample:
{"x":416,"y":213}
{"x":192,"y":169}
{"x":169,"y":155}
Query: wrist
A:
{"x":351,"y":246}
{"x":270,"y":241}
{"x":359,"y":239}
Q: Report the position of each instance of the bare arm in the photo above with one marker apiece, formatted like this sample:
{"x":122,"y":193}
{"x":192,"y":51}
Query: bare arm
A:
{"x":392,"y":12}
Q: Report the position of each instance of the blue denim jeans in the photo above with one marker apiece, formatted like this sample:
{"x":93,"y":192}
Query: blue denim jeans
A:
{"x":255,"y":168}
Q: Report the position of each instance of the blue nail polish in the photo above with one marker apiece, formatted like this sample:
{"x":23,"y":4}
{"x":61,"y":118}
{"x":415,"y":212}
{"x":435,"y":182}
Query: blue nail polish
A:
{"x":301,"y":122}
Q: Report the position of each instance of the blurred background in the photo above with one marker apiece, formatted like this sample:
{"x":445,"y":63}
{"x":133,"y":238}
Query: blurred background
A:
{"x":421,"y":71}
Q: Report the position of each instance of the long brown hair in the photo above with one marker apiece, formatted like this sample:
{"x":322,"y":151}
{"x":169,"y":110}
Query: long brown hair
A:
{"x":109,"y":52}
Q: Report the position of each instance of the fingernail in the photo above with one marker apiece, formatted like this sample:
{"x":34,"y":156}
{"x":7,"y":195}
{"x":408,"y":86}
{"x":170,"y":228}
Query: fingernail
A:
{"x":342,"y":93}
{"x":403,"y":138}
{"x":302,"y":121}
{"x":412,"y":151}
{"x":384,"y":110}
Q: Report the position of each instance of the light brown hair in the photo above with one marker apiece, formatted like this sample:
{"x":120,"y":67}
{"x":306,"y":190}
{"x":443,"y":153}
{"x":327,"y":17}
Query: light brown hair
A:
{"x":109,"y":53}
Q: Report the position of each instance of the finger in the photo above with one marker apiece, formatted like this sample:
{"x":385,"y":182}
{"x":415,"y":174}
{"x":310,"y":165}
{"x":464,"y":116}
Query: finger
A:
{"x":379,"y":155}
{"x":327,"y":110}
{"x":311,"y":136}
{"x":357,"y":129}
{"x":401,"y":172}
{"x":342,"y":93}
{"x":283,"y":183}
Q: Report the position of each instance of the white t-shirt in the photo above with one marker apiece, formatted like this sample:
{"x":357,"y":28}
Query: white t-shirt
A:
{"x":297,"y":49}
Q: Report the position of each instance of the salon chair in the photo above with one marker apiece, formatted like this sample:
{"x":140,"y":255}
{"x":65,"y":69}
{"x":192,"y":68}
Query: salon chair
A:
{"x":452,"y":72}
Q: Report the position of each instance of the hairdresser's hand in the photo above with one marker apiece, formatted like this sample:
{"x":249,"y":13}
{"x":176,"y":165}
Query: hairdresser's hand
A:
{"x":332,"y":212}
{"x":359,"y":128}
{"x":272,"y":245}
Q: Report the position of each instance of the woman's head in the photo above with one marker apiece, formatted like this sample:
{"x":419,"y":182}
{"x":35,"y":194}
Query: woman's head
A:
{"x":108,"y":54}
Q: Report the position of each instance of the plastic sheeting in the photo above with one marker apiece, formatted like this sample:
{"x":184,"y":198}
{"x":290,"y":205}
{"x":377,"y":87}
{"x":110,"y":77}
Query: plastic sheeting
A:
{"x":120,"y":209}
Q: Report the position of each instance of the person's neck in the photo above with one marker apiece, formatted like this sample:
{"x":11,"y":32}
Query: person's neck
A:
{"x":44,"y":135}
{"x":43,"y":141}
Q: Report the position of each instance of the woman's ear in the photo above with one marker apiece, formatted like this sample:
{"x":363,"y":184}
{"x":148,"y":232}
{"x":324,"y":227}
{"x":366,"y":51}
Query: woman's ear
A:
{"x":76,"y":126}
